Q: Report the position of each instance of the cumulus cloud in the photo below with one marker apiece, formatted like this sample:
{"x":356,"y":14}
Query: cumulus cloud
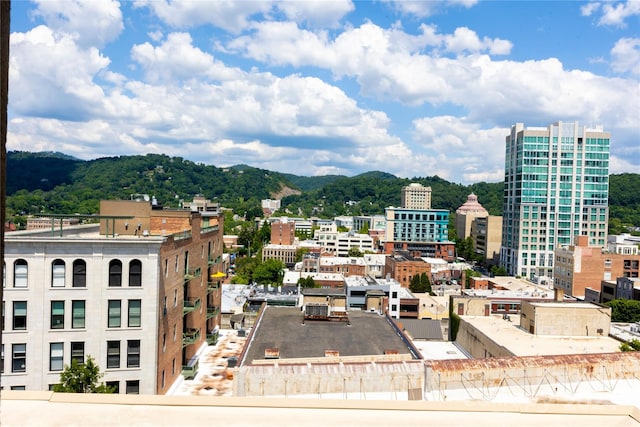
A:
{"x":612,"y":13}
{"x":625,"y":56}
{"x":52,"y":76}
{"x":232,"y":16}
{"x":319,"y":14}
{"x":479,"y":152}
{"x":66,"y":95}
{"x":90,"y":23}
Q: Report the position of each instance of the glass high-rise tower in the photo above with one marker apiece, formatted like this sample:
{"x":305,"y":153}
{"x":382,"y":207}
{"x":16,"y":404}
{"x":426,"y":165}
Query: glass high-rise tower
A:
{"x":556,"y":186}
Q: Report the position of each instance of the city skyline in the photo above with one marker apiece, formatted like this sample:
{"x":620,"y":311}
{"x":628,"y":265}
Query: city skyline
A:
{"x":314,"y":88}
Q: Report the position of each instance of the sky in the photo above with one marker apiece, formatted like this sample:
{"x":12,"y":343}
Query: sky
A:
{"x":412,"y":88}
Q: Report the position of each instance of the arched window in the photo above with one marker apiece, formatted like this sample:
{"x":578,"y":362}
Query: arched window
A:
{"x":79,"y":274}
{"x":135,"y":273}
{"x":20,"y":274}
{"x":57,"y":273}
{"x":115,"y":273}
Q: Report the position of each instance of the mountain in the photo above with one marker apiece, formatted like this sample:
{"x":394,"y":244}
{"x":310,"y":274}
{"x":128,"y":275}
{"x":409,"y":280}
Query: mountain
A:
{"x":56,"y":183}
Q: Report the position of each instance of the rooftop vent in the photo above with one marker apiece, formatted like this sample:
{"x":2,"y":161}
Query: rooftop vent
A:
{"x":272,"y":353}
{"x":331,"y":353}
{"x":391,"y":351}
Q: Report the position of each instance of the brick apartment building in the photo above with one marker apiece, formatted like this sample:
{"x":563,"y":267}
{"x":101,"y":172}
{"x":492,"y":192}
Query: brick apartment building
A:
{"x":401,"y":266}
{"x":581,"y":266}
{"x":138,"y":292}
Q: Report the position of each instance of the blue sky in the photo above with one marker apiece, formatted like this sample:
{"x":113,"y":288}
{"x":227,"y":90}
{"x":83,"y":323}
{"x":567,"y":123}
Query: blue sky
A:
{"x":413,"y":88}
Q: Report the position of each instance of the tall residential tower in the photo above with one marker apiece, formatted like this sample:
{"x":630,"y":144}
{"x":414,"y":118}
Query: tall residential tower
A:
{"x":556,"y":186}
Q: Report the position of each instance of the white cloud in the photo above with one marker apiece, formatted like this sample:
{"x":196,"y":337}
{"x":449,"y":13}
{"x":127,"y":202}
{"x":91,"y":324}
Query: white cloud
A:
{"x":232,"y":16}
{"x":465,"y":40}
{"x":423,"y":9}
{"x":176,"y":58}
{"x":319,"y":14}
{"x":458,"y":148}
{"x":625,"y":56}
{"x":90,"y":23}
{"x":613,"y":13}
{"x":51,"y":76}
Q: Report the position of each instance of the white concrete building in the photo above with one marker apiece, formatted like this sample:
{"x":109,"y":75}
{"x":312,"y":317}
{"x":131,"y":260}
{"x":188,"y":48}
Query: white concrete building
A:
{"x":76,"y":296}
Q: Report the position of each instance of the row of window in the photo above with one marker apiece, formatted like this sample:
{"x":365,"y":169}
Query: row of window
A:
{"x":78,"y":314}
{"x":79,"y":273}
{"x":76,"y":349}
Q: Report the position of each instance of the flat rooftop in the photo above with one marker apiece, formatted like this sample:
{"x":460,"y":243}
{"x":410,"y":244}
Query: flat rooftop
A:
{"x":521,"y":343}
{"x":282,"y":327}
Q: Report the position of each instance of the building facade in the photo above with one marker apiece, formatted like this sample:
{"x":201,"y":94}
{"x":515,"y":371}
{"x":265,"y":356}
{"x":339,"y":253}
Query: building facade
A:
{"x":486,"y":233}
{"x":283,"y":233}
{"x":581,"y":266}
{"x":465,"y":214}
{"x":556,"y":187}
{"x":416,"y":196}
{"x":416,"y":225}
{"x":141,"y":303}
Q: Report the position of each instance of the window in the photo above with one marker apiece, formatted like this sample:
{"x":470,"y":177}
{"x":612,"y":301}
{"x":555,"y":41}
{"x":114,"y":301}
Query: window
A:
{"x":133,"y":353}
{"x":57,"y":314}
{"x":135,"y":273}
{"x":115,"y":273}
{"x":114,"y":313}
{"x":134,"y":313}
{"x":20,"y":274}
{"x":3,"y":315}
{"x":77,"y":352}
{"x":57,"y":273}
{"x":19,"y":315}
{"x":18,"y":387}
{"x":113,"y":354}
{"x":133,"y":387}
{"x":114,"y":385}
{"x":56,"y":356}
{"x":79,"y":274}
{"x":19,"y":358}
{"x":77,"y":314}
{"x":2,"y":359}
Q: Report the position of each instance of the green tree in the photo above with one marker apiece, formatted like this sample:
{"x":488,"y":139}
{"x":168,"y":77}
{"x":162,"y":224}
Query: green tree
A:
{"x":468,"y":275}
{"x":498,"y":271}
{"x":415,"y":285}
{"x":364,"y":229}
{"x":268,"y":272}
{"x":82,"y":378}
{"x":624,"y":310}
{"x":633,"y":345}
{"x":425,"y":283}
{"x":307,"y":282}
{"x":354,"y":251}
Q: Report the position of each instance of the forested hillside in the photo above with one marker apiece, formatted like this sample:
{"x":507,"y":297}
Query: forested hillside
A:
{"x":55,"y":183}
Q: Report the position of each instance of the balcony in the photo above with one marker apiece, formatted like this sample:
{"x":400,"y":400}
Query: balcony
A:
{"x":209,"y":229}
{"x":214,"y":261}
{"x":189,"y":371}
{"x":212,"y":339}
{"x":212,"y":312}
{"x":192,"y":273}
{"x":213,"y":286}
{"x":190,"y":304}
{"x":191,"y":336}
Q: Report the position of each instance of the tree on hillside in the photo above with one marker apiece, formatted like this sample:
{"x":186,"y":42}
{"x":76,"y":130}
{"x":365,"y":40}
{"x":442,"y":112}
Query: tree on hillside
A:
{"x":81,"y":378}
